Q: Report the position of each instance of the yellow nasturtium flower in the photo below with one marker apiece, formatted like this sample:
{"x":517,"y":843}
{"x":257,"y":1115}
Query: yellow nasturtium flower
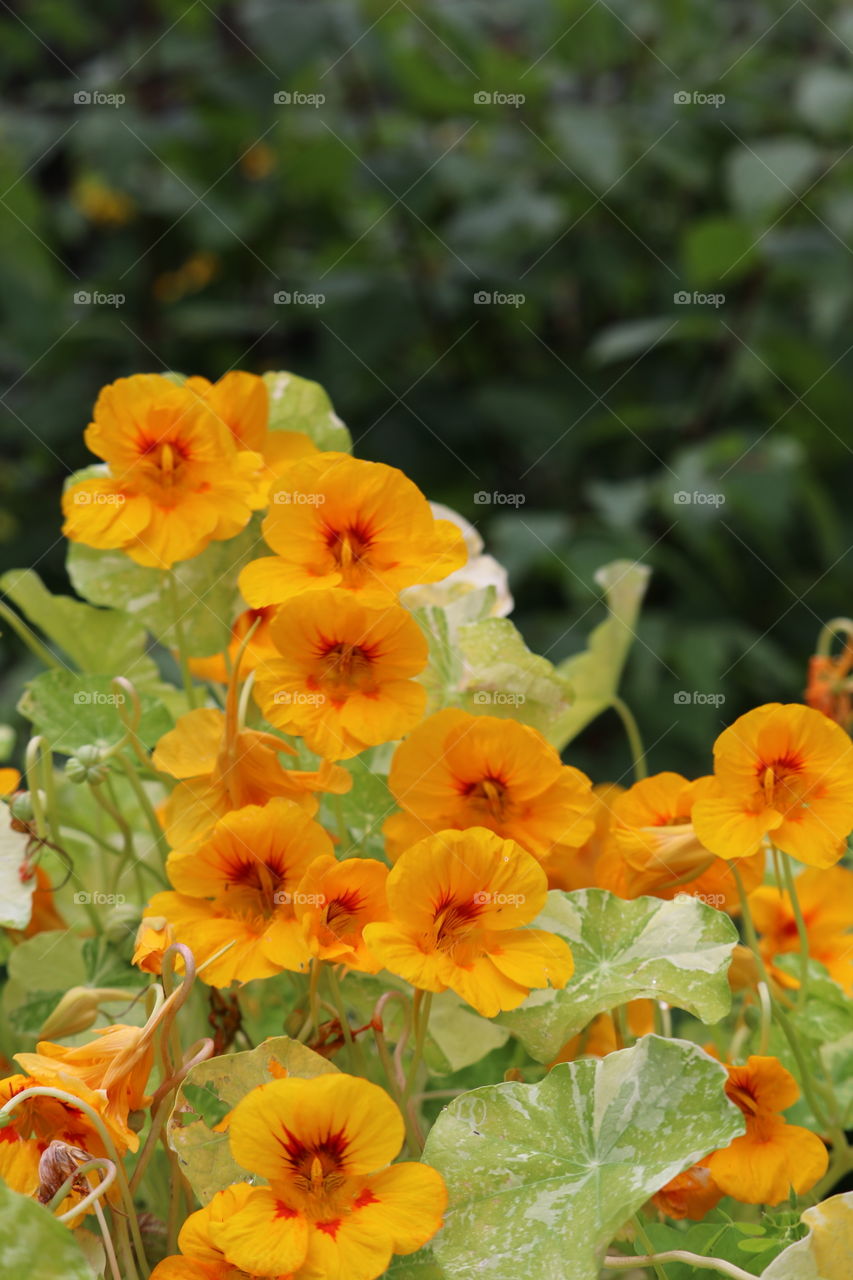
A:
{"x":176,"y":479}
{"x":460,"y":903}
{"x":826,"y":902}
{"x":781,"y":771}
{"x":337,"y":521}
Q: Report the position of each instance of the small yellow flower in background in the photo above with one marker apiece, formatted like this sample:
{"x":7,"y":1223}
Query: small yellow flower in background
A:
{"x":176,"y":481}
{"x":101,"y":203}
{"x":781,"y":771}
{"x":337,"y":521}
{"x":259,"y":647}
{"x":459,"y":903}
{"x":115,"y":1065}
{"x":652,"y":847}
{"x":219,"y":773}
{"x":9,"y":781}
{"x":458,"y":770}
{"x":191,"y":276}
{"x":773,"y":1157}
{"x":826,"y":902}
{"x":335,"y":1206}
{"x":241,"y":402}
{"x":343,"y":680}
{"x":334,"y":902}
{"x":153,"y":938}
{"x":237,"y":887}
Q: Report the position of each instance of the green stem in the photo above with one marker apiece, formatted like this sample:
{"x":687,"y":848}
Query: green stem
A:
{"x":617,"y":1262}
{"x":837,"y":627}
{"x":647,"y":1244}
{"x":632,"y":731}
{"x":355,"y":1050}
{"x":145,"y":804}
{"x":420,"y":1018}
{"x":180,"y":639}
{"x":802,"y":931}
{"x":30,"y":639}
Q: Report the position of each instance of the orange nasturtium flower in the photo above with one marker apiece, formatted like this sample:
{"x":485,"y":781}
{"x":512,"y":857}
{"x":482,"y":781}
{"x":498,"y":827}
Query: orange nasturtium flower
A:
{"x":333,"y":903}
{"x":38,"y":1121}
{"x":221,"y":769}
{"x":335,"y":1205}
{"x":691,"y":1194}
{"x":116,"y":1065}
{"x":176,"y":480}
{"x":826,"y":902}
{"x":773,"y":1157}
{"x":241,"y":402}
{"x":237,"y":886}
{"x":457,"y":770}
{"x":259,"y":648}
{"x":830,"y":684}
{"x":343,"y":681}
{"x":200,"y":1258}
{"x":460,"y":903}
{"x":337,"y":521}
{"x":652,"y":847}
{"x":781,"y":771}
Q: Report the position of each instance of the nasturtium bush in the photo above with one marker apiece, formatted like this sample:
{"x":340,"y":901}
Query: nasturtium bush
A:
{"x":322,"y":961}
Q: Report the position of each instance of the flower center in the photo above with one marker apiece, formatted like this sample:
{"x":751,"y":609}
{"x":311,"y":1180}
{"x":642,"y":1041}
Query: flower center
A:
{"x":253,"y":889}
{"x":341,"y":914}
{"x":489,"y":796}
{"x":454,"y":925}
{"x":346,"y":669}
{"x":782,"y":784}
{"x":350,"y":548}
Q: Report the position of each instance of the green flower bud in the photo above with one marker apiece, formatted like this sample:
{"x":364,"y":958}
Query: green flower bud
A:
{"x":86,"y":765}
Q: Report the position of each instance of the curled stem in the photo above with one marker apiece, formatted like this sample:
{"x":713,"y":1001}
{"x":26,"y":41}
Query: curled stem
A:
{"x":618,"y":1262}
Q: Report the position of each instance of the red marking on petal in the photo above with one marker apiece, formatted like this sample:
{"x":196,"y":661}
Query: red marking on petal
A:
{"x":364,"y":1198}
{"x":284,"y":1210}
{"x":330,"y":1228}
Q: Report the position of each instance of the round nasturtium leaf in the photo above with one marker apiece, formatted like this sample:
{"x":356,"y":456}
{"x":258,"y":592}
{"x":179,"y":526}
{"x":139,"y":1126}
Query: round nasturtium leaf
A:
{"x":674,"y":951}
{"x":34,"y":1245}
{"x":826,"y":1253}
{"x":196,"y":1131}
{"x":541,"y":1177}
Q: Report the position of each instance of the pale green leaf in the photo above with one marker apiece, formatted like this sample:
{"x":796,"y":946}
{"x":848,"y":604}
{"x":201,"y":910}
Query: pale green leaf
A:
{"x":72,"y":710}
{"x":214,"y":1088}
{"x":34,"y":1245}
{"x":541,"y":1177}
{"x":674,"y":951}
{"x":296,"y":404}
{"x":826,"y":1252}
{"x":594,"y":674}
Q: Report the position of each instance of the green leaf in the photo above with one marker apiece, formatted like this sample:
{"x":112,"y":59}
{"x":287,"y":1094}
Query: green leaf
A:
{"x":630,"y":338}
{"x":825,"y":1253}
{"x":34,"y":1245}
{"x":214,"y":1088}
{"x":297,"y":404}
{"x":73,"y":710}
{"x":594,"y":674}
{"x":458,"y":1037}
{"x":16,"y":893}
{"x":541,"y":1177}
{"x":366,"y":805}
{"x":503,"y":678}
{"x":206,"y":589}
{"x":96,"y":640}
{"x":674,"y":951}
{"x":718,"y":247}
{"x":767,"y":174}
{"x":417,"y":1266}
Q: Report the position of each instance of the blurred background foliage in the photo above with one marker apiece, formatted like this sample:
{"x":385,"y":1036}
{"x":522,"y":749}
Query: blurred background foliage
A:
{"x":399,"y":198}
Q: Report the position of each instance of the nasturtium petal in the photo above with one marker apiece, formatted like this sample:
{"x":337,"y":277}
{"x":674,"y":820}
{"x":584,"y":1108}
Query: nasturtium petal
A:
{"x":197,"y":1127}
{"x":675,"y":951}
{"x":541,"y":1177}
